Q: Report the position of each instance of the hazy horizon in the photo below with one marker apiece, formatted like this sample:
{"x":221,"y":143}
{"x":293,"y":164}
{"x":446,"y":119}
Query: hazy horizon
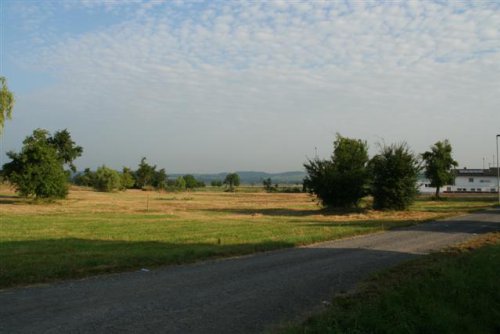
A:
{"x":213,"y":86}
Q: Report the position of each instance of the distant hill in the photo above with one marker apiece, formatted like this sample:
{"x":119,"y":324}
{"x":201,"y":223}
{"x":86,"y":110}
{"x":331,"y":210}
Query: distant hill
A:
{"x":250,"y":177}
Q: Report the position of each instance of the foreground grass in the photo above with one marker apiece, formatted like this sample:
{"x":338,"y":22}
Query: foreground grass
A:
{"x":457,"y":291}
{"x":92,"y":233}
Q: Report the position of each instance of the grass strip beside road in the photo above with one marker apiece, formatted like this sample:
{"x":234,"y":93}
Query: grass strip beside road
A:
{"x":93,"y":233}
{"x":455,"y":291}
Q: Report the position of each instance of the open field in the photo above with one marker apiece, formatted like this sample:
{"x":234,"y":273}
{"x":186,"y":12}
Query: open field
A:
{"x":91,"y":233}
{"x":455,"y":291}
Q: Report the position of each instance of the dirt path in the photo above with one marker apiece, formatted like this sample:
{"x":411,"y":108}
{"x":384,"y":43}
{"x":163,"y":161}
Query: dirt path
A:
{"x":238,"y":295}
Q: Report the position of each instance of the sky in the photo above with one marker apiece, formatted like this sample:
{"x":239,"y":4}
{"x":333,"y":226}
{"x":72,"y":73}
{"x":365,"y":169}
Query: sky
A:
{"x":213,"y":86}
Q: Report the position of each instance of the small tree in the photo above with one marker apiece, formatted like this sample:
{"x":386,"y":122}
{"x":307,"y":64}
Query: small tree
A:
{"x":160,"y":179}
{"x":180,"y":183}
{"x":85,"y":179}
{"x":144,"y":174}
{"x":127,"y":178}
{"x":107,"y":179}
{"x":438,"y":164}
{"x":38,"y":170}
{"x":232,"y":180}
{"x":394,"y":177}
{"x":191,"y":182}
{"x":342,"y":180}
{"x":268,"y":185}
{"x":216,"y":183}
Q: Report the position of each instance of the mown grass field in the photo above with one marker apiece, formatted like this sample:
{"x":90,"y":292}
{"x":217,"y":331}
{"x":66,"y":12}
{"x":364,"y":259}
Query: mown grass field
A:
{"x":456,"y":291}
{"x":92,"y":233}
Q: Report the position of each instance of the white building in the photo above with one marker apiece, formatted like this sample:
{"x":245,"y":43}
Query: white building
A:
{"x":467,"y":180}
{"x":475,"y":180}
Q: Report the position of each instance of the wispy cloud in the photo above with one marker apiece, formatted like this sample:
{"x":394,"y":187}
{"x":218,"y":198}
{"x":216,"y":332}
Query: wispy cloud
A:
{"x":264,"y":75}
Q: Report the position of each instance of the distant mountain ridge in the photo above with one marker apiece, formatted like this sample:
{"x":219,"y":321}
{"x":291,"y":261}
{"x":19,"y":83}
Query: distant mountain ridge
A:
{"x":251,"y":177}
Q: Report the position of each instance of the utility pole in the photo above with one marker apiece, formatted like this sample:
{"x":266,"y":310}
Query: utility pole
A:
{"x":498,"y":173}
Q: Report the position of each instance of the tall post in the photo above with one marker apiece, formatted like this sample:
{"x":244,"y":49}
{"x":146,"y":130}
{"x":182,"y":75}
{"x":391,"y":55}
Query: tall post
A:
{"x":498,"y":173}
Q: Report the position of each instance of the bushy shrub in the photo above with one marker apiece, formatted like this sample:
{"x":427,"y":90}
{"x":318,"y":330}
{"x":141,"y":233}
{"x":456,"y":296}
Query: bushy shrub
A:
{"x":106,"y":179}
{"x":85,"y":178}
{"x":394,"y":177}
{"x":216,"y":183}
{"x":127,"y":178}
{"x":192,"y":182}
{"x":180,"y":183}
{"x":342,"y":180}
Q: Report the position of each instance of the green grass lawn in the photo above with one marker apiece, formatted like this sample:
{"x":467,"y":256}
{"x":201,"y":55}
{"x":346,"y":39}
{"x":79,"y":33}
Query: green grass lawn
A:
{"x":92,"y":233}
{"x":457,"y":291}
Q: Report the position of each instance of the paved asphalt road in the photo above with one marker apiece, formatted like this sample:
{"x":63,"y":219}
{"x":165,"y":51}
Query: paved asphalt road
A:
{"x":238,"y":295}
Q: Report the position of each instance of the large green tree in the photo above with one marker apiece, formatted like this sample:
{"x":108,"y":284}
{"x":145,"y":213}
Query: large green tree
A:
{"x":6,"y":102}
{"x":38,"y":170}
{"x":439,"y":165}
{"x":342,"y":180}
{"x":394,"y":173}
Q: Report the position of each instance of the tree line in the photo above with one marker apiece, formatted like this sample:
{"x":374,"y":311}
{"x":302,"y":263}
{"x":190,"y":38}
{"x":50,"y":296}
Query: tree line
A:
{"x":43,"y":167}
{"x":390,"y":177}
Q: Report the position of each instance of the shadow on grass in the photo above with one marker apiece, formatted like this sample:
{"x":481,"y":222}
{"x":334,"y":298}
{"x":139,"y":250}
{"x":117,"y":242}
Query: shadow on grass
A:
{"x":453,"y":226}
{"x":288,"y":212}
{"x":453,"y":208}
{"x":459,"y":198}
{"x":35,"y":261}
{"x":11,"y":199}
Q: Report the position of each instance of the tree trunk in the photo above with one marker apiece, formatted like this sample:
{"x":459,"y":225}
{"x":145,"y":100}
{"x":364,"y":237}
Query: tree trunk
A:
{"x":437,"y":192}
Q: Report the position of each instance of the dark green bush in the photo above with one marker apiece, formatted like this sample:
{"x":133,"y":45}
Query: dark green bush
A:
{"x":342,"y":180}
{"x":394,"y":177}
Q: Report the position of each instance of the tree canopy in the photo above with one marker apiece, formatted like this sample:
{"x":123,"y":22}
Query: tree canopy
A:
{"x":145,"y":174}
{"x":127,"y":178}
{"x":107,"y":179}
{"x":394,"y":173}
{"x":6,"y":102}
{"x":159,"y":181}
{"x":65,"y":147}
{"x":340,"y":181}
{"x":232,"y":180}
{"x":38,"y":170}
{"x":438,"y":164}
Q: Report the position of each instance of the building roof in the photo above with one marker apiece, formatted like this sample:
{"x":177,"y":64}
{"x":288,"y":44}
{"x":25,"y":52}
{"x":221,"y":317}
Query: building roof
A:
{"x":476,"y":172}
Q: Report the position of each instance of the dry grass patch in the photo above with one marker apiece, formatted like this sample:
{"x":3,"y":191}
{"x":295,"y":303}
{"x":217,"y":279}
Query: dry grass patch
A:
{"x":93,"y":232}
